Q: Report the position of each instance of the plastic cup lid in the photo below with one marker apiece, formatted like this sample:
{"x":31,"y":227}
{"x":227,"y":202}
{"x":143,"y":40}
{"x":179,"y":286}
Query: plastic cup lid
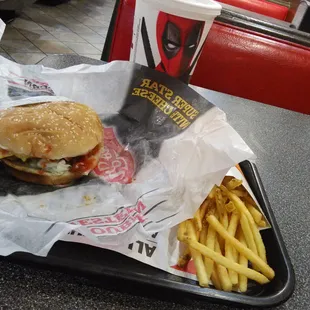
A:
{"x":194,"y":9}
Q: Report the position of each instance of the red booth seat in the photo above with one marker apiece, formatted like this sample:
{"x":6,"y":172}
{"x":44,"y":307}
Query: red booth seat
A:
{"x":260,"y":6}
{"x":238,"y":62}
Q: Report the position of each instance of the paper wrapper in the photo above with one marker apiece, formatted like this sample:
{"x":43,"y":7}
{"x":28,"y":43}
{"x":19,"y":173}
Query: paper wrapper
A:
{"x":165,"y":147}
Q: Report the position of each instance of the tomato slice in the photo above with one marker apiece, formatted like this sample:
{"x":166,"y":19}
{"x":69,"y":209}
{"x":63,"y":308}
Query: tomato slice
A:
{"x":86,"y":162}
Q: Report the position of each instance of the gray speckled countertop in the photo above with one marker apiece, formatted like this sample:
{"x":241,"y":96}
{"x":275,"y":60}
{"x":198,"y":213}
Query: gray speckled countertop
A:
{"x":281,"y":141}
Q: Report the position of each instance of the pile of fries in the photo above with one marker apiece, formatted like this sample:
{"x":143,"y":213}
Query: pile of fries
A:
{"x":224,"y":241}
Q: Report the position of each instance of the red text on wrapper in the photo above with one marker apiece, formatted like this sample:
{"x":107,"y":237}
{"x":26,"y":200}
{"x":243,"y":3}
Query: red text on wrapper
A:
{"x":114,"y":224}
{"x":116,"y":164}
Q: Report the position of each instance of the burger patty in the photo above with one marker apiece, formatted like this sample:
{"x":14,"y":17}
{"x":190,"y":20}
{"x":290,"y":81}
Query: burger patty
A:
{"x":80,"y":164}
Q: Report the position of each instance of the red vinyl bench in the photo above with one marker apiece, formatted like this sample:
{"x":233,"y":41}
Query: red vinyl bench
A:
{"x":235,"y":61}
{"x":263,"y":7}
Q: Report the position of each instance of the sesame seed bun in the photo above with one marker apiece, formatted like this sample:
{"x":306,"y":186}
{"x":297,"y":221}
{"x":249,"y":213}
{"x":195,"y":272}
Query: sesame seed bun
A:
{"x":51,"y":130}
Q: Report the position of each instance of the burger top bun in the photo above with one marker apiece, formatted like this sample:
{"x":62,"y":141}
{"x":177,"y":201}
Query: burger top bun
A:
{"x":51,"y":130}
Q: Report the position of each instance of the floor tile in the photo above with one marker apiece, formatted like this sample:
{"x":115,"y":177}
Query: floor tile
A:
{"x":67,"y":37}
{"x":5,"y":55}
{"x":32,"y":12}
{"x":24,"y":16}
{"x":88,"y":21}
{"x":12,"y":33}
{"x":69,"y":10}
{"x":94,"y":56}
{"x":18,"y":46}
{"x":79,"y":28}
{"x":102,"y":30}
{"x":53,"y":47}
{"x":27,"y":58}
{"x":93,"y":38}
{"x":39,"y":34}
{"x":67,"y":20}
{"x":55,"y":26}
{"x":20,"y":23}
{"x":54,"y":12}
{"x":98,"y":46}
{"x":82,"y":48}
{"x":104,"y":20}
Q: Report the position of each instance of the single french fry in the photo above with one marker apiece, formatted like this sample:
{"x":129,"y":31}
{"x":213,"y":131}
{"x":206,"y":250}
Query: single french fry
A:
{"x":226,"y":180}
{"x":184,"y":258}
{"x":233,"y":183}
{"x":259,"y":241}
{"x":210,"y":243}
{"x":202,"y":276}
{"x":224,"y":222}
{"x":262,"y":223}
{"x":257,"y":216}
{"x":235,"y":254}
{"x":181,"y":231}
{"x":219,"y":202}
{"x":211,"y":209}
{"x":256,"y":235}
{"x":222,"y":272}
{"x":224,"y":219}
{"x":243,"y":261}
{"x":212,"y":193}
{"x":222,"y":260}
{"x":229,"y":253}
{"x":215,"y":278}
{"x":250,"y":255}
{"x":225,"y":199}
{"x":203,"y":234}
{"x":248,"y":198}
{"x":204,"y":207}
{"x":248,"y":233}
{"x":230,"y":207}
{"x":239,"y":193}
{"x":198,"y":220}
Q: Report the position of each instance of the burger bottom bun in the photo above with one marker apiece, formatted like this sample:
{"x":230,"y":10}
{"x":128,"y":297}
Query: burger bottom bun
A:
{"x":46,"y":179}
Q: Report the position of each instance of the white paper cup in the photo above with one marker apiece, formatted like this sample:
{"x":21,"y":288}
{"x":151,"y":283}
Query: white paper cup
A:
{"x":169,"y":35}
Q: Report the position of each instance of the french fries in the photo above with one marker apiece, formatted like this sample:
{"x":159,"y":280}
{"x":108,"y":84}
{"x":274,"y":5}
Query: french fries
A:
{"x":243,"y":209}
{"x":222,"y":271}
{"x":223,"y":237}
{"x":243,"y":261}
{"x":222,"y":260}
{"x":229,"y":252}
{"x":197,"y":257}
{"x":198,"y":220}
{"x":185,"y":257}
{"x":182,"y":231}
{"x":210,"y":243}
{"x":250,"y":255}
{"x":233,"y":183}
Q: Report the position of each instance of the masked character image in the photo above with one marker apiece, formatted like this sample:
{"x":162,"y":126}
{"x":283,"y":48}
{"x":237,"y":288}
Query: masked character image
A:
{"x":177,"y":40}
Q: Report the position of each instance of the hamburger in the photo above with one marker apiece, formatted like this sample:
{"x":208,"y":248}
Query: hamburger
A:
{"x":51,"y":143}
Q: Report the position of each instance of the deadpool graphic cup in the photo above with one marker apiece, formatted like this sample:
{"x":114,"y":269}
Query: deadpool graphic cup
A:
{"x":177,"y":41}
{"x":168,"y":36}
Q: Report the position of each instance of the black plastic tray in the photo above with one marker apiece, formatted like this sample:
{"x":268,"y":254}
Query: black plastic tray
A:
{"x":125,"y":272}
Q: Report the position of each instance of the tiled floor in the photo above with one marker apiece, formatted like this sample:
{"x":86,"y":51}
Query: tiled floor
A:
{"x":75,"y":27}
